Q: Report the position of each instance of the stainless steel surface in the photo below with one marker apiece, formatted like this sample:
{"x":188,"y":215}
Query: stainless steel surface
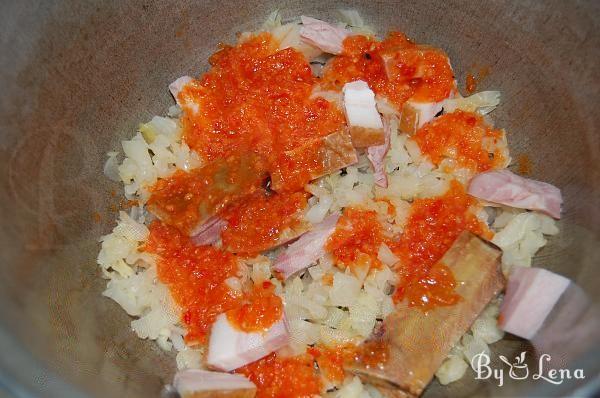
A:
{"x":77,"y":77}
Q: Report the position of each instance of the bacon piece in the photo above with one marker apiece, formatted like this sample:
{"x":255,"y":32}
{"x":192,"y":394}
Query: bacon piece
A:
{"x":328,"y":38}
{"x":427,"y":69}
{"x":188,"y":200}
{"x":317,"y":158}
{"x":530,"y":296}
{"x":376,"y":155}
{"x":551,"y":311}
{"x":416,"y":114}
{"x":507,"y":188}
{"x":306,"y":250}
{"x":230,"y":348}
{"x":364,"y":121}
{"x":196,"y":383}
{"x":210,"y":232}
{"x":419,"y":341}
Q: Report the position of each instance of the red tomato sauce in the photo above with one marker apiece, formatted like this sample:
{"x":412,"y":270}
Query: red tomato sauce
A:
{"x":331,"y":361}
{"x":373,"y":353}
{"x":358,"y":233}
{"x":256,"y":222}
{"x":435,"y":288}
{"x":253,"y":105}
{"x":473,"y":79}
{"x":260,"y":310}
{"x":257,"y":99}
{"x":195,"y":276}
{"x":283,"y":377}
{"x":459,"y":135}
{"x":431,"y":228}
{"x":296,"y":168}
{"x":395,"y":68}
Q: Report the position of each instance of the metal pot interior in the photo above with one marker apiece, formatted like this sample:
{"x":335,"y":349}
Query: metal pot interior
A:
{"x":78,"y":77}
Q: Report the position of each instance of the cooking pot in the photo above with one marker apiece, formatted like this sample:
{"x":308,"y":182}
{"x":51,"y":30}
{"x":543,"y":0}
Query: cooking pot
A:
{"x":76,"y":78}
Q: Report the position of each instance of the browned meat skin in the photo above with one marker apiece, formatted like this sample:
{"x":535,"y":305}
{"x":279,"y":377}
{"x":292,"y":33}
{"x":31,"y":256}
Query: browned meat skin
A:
{"x":363,"y":137}
{"x":246,"y":393}
{"x":188,"y":200}
{"x":409,"y":119}
{"x":337,"y":152}
{"x":316,"y":158}
{"x":419,"y":341}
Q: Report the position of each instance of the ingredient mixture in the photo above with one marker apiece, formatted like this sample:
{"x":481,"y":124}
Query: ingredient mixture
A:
{"x":319,"y":189}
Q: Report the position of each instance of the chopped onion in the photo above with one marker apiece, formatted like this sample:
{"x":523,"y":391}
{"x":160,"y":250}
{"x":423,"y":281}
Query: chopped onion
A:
{"x":452,"y":369}
{"x":345,"y":290}
{"x":386,"y":256}
{"x":486,"y":329}
{"x":335,"y":337}
{"x":473,"y":346}
{"x":131,"y":229}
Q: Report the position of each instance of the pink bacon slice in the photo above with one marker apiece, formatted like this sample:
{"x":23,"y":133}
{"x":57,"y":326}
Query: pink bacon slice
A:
{"x":230,"y":348}
{"x":551,"y":311}
{"x":376,"y":155}
{"x":209,"y":232}
{"x":507,"y":188}
{"x":530,"y":296}
{"x":307,"y":249}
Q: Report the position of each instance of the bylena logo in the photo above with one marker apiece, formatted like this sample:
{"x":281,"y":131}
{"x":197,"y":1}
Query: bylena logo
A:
{"x":519,"y":370}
